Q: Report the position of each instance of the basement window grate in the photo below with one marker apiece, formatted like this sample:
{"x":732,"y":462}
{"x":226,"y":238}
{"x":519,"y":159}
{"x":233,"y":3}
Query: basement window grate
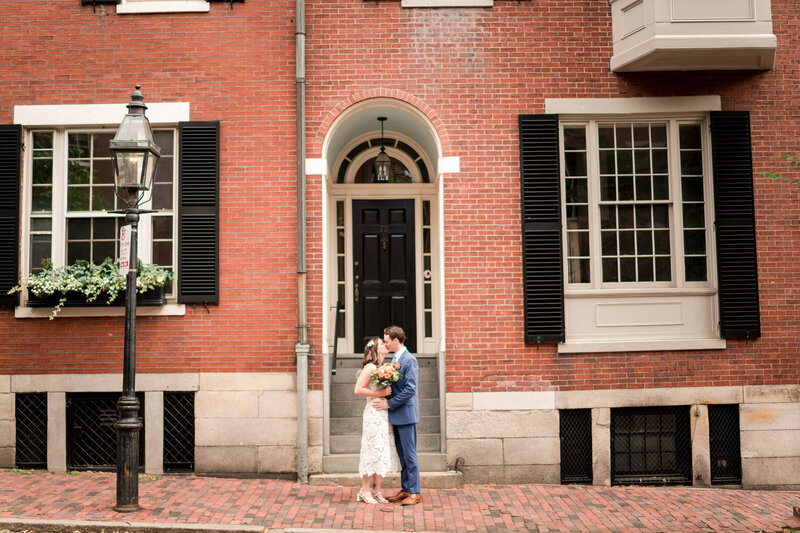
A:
{"x":178,"y":431}
{"x":91,"y":435}
{"x":726,"y":457}
{"x":651,"y":446}
{"x":30,"y":411}
{"x":575,"y":429}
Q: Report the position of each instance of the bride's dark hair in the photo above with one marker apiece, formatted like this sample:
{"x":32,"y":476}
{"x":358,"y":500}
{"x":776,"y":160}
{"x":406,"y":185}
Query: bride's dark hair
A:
{"x":371,"y":352}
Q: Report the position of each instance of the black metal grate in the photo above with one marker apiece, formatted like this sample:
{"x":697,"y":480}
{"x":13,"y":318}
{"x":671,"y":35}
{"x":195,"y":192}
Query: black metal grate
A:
{"x":575,"y":429}
{"x":726,"y":456}
{"x":651,"y":446}
{"x":91,"y":435}
{"x":31,"y":413}
{"x":178,"y":431}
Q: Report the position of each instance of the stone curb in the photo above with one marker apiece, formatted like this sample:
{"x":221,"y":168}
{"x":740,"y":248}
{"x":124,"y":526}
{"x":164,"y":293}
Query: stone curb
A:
{"x":91,"y":526}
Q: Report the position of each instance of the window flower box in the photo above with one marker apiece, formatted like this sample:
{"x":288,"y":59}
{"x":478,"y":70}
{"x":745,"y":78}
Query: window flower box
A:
{"x":150,"y":297}
{"x":86,"y":284}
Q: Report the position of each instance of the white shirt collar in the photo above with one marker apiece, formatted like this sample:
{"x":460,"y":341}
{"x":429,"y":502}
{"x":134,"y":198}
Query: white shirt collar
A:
{"x":399,"y":354}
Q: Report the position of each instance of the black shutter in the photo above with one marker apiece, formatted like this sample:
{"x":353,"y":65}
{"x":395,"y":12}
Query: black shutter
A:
{"x":541,"y":228}
{"x":10,"y":152}
{"x":198,"y":212}
{"x":735,"y":225}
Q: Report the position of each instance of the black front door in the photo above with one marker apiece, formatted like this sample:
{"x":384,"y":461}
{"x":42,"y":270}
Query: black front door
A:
{"x":383,"y":269}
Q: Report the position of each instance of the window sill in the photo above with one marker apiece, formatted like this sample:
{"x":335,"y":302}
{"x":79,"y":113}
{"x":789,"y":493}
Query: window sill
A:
{"x":641,"y":346}
{"x":163,"y":6}
{"x":170,"y":309}
{"x":446,"y":3}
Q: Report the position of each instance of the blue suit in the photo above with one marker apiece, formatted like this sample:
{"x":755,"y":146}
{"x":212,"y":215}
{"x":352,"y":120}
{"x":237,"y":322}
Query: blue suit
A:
{"x":404,"y":416}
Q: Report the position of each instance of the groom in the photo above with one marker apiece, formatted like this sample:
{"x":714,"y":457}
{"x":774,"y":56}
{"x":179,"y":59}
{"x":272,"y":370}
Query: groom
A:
{"x":403,"y":409}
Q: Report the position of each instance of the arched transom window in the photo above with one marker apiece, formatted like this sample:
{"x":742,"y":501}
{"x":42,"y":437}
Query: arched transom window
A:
{"x":408,"y":166}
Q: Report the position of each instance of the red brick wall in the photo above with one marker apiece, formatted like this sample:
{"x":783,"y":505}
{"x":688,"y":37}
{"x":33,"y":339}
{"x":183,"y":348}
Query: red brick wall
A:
{"x":476,"y":70}
{"x":235,"y":66}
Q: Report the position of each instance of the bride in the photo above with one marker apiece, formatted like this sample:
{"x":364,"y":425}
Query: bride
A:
{"x":378,"y":456}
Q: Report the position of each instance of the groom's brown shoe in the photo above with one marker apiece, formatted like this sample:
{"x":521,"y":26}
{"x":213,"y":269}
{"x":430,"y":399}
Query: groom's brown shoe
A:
{"x":412,"y":499}
{"x":400,"y":496}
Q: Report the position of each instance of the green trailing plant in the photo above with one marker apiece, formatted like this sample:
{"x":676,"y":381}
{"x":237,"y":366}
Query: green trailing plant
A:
{"x":93,"y":281}
{"x":794,"y":160}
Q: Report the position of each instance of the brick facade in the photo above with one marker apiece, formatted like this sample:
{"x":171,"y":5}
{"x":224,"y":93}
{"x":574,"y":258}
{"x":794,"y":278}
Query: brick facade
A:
{"x":471,"y":72}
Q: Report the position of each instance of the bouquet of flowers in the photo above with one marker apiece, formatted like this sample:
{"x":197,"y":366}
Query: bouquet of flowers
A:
{"x":386,"y":374}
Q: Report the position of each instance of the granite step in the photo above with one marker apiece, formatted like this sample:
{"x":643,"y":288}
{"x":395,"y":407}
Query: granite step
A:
{"x":429,"y":480}
{"x":347,"y":463}
{"x":355,"y":407}
{"x":352,"y":425}
{"x":426,"y":442}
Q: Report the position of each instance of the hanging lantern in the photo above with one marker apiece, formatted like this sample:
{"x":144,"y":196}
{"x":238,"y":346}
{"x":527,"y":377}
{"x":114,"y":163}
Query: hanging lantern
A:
{"x":383,"y":163}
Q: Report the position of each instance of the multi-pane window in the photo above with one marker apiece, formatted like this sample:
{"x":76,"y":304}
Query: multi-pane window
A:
{"x":41,"y":221}
{"x":576,"y":188}
{"x":340,"y":270}
{"x":90,"y":189}
{"x":693,"y":203}
{"x":635,"y":202}
{"x":72,"y":200}
{"x":427,"y":276}
{"x":162,"y":202}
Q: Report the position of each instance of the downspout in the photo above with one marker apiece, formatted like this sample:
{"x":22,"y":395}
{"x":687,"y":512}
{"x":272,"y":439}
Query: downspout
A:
{"x":302,"y":347}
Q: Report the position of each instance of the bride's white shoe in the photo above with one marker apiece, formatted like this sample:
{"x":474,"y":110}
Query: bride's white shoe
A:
{"x":365,"y":497}
{"x":379,"y":497}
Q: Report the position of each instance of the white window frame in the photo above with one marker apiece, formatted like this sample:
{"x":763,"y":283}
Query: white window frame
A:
{"x":602,"y":317}
{"x":132,"y":7}
{"x":91,"y":118}
{"x":447,"y":3}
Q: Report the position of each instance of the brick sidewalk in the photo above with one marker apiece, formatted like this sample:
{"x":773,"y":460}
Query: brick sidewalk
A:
{"x":276,"y":504}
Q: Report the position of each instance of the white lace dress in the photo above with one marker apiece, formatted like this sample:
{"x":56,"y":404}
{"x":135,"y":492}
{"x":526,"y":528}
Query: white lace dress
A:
{"x":378,"y":454}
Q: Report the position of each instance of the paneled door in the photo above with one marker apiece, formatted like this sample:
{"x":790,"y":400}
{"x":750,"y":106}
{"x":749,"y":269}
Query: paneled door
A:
{"x":383,"y":269}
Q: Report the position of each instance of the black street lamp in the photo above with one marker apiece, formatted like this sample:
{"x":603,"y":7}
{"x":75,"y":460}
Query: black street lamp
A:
{"x":135,"y":158}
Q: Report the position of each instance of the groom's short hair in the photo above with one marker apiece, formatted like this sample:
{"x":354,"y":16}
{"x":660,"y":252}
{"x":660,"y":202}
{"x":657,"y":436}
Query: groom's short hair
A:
{"x":396,"y":332}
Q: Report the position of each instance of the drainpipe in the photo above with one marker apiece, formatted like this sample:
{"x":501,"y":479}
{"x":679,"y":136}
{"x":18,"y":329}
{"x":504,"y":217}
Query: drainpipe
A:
{"x":302,"y":347}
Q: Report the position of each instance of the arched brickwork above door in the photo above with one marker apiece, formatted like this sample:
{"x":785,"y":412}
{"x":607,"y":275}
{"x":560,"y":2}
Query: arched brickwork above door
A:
{"x":317,"y":143}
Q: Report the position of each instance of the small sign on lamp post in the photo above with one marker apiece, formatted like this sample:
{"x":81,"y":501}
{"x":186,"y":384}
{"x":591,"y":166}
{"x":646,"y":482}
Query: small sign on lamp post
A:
{"x":125,"y":249}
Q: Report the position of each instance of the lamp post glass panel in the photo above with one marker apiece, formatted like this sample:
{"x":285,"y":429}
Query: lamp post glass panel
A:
{"x":134,"y":157}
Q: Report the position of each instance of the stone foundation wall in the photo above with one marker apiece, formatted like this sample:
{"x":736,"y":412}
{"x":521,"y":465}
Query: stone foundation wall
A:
{"x":770,"y":437}
{"x":244,"y":422}
{"x":504,"y":437}
{"x":247,"y":423}
{"x":7,"y":424}
{"x":513,"y":437}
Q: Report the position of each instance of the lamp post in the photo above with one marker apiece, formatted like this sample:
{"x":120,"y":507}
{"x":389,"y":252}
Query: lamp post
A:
{"x":134,"y":157}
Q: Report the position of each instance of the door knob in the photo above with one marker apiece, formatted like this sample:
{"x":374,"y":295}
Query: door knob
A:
{"x":356,"y":293}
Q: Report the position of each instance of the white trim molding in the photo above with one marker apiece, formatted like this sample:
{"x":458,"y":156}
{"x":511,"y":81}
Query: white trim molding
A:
{"x":449,"y":165}
{"x":132,"y":7}
{"x":317,"y":166}
{"x":447,"y":3}
{"x":628,"y":106}
{"x":66,"y":312}
{"x":96,"y":114}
